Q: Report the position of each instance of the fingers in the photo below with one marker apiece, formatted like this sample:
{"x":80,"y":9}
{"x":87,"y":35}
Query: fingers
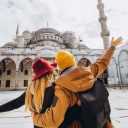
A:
{"x":117,"y":41}
{"x":120,"y":42}
{"x":120,"y":39}
{"x":112,"y":39}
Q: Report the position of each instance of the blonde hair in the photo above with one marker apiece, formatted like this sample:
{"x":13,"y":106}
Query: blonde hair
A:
{"x":35,"y":102}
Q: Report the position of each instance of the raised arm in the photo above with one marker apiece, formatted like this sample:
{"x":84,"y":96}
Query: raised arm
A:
{"x":14,"y":104}
{"x":101,"y":64}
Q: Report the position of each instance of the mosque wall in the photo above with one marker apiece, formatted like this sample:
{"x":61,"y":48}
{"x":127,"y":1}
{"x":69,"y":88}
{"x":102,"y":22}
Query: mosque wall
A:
{"x":16,"y":57}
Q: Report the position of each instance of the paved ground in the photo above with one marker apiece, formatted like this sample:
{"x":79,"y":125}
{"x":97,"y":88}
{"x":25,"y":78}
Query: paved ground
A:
{"x":21,"y":119}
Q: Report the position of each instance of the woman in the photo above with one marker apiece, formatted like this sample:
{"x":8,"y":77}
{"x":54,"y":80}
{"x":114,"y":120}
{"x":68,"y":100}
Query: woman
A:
{"x":36,"y":90}
{"x":39,"y":94}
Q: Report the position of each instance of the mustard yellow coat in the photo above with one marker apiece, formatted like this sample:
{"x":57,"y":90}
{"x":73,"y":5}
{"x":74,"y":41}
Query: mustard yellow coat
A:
{"x":80,"y":79}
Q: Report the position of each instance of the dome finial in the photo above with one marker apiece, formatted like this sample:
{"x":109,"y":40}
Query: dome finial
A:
{"x":17,"y":30}
{"x":47,"y":24}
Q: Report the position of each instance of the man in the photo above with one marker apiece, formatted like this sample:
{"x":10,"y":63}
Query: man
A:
{"x":72,"y":79}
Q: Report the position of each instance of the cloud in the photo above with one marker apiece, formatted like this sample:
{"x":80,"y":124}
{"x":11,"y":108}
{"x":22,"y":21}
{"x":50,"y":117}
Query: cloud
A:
{"x":92,"y":29}
{"x":79,"y":16}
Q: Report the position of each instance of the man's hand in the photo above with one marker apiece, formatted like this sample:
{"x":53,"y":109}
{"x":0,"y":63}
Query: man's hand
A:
{"x":116,"y":42}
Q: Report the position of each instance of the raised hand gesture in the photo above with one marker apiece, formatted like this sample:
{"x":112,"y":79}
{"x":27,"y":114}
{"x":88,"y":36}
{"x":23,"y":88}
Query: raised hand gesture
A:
{"x":116,"y":42}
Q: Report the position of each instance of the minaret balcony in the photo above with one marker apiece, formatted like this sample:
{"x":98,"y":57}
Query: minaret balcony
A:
{"x":105,"y":33}
{"x":103,"y":18}
{"x":101,"y":5}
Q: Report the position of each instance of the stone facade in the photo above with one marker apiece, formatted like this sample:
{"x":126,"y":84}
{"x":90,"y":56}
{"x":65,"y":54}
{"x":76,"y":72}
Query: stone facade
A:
{"x":16,"y":57}
{"x":118,"y":69}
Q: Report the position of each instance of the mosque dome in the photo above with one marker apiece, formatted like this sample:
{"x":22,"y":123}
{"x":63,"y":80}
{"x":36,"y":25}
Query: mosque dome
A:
{"x":46,"y":30}
{"x":42,"y":35}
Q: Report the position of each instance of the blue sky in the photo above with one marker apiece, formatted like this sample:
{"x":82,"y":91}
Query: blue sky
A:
{"x":79,"y":16}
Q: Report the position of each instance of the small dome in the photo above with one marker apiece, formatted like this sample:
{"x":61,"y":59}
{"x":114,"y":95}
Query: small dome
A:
{"x":26,"y":31}
{"x":79,"y":52}
{"x":46,"y":30}
{"x":27,"y":35}
{"x":47,"y":47}
{"x":10,"y":44}
{"x":12,"y":52}
{"x":96,"y":53}
{"x":46,"y":53}
{"x":29,"y":51}
{"x":81,"y":45}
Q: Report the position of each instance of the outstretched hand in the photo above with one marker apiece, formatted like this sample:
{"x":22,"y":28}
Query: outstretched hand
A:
{"x":116,"y":42}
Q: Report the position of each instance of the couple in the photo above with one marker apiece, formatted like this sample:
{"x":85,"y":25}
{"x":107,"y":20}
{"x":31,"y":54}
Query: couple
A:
{"x":47,"y":113}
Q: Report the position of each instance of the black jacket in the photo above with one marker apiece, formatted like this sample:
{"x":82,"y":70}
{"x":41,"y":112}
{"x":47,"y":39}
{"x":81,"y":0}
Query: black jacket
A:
{"x":73,"y":112}
{"x":14,"y":104}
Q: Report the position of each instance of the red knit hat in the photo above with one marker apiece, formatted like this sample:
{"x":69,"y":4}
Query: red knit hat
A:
{"x":41,"y":67}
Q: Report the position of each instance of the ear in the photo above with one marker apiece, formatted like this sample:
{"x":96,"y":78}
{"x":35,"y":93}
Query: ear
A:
{"x":50,"y":75}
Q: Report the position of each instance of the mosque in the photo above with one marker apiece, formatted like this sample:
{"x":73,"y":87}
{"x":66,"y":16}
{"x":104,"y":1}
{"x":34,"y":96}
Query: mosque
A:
{"x":16,"y":57}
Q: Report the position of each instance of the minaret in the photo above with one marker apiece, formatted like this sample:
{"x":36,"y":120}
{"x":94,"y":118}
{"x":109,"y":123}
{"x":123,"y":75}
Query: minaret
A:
{"x":103,"y":19}
{"x":17,"y":30}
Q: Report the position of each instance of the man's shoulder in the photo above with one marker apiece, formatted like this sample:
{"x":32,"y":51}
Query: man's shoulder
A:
{"x":60,"y":89}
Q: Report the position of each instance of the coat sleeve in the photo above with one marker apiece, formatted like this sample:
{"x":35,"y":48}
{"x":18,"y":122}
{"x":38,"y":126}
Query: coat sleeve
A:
{"x":14,"y":104}
{"x":101,"y":64}
{"x":54,"y":115}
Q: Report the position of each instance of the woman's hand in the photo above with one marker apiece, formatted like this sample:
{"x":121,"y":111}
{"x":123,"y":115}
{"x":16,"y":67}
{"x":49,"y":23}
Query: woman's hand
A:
{"x":33,"y":114}
{"x":79,"y":102}
{"x":116,"y":42}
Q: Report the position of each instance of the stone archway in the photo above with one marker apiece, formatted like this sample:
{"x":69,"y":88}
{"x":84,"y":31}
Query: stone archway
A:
{"x":123,"y":66}
{"x":7,"y":73}
{"x":24,"y":73}
{"x":113,"y":72}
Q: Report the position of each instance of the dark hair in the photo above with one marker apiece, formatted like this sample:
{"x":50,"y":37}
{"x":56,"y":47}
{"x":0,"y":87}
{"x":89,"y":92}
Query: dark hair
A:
{"x":47,"y":73}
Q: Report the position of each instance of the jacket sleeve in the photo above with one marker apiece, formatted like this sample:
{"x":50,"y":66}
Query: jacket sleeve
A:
{"x":101,"y":64}
{"x":14,"y":104}
{"x":54,"y":115}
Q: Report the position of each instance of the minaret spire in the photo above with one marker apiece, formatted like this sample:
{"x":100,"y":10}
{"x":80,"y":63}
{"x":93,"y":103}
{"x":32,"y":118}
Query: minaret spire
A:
{"x":17,"y":30}
{"x":103,"y":19}
{"x":47,"y":24}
